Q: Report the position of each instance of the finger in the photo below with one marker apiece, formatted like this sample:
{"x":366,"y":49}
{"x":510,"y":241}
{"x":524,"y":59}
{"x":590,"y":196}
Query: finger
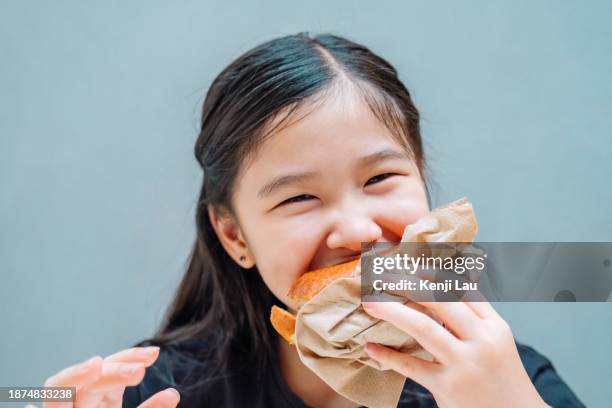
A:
{"x":457,"y":316}
{"x":168,"y":398}
{"x":474,"y":299}
{"x":483,"y":310}
{"x":427,"y":332}
{"x":481,"y":306}
{"x":114,"y":376}
{"x":113,"y":398}
{"x":145,"y":355}
{"x":78,"y":376}
{"x":417,"y":369}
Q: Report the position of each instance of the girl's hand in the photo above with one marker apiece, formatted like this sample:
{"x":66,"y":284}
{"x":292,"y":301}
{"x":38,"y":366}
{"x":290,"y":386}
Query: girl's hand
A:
{"x":101,"y":382}
{"x":476,"y":361}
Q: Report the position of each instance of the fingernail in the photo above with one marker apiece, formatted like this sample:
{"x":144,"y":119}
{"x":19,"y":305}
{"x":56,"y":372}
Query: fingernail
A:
{"x":175,"y":393}
{"x":370,"y":348}
{"x":149,"y":351}
{"x":129,"y":369}
{"x":368,"y":305}
{"x":89,"y":363}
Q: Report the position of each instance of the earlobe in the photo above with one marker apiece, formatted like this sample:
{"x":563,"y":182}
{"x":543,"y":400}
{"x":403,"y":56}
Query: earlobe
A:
{"x":231,"y":237}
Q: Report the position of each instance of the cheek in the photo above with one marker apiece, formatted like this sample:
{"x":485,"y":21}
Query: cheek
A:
{"x":283,"y":255}
{"x":282,"y":246}
{"x":403,"y":207}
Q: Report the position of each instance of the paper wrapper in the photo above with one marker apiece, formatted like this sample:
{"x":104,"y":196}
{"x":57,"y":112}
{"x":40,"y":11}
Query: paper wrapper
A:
{"x":332,"y":328}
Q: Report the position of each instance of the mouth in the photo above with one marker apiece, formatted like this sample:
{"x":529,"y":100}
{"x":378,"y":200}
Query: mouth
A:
{"x":365,"y":248}
{"x":312,"y":282}
{"x":347,"y":259}
{"x":336,"y":262}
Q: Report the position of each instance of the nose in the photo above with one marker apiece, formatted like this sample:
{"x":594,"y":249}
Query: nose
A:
{"x":351,"y":229}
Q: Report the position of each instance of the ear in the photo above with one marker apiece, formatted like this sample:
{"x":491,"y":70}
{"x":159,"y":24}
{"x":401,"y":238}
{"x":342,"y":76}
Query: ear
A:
{"x":231,"y":237}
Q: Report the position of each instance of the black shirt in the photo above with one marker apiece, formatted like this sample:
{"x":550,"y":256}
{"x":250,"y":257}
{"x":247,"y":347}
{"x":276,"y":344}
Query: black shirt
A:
{"x":243,"y":388}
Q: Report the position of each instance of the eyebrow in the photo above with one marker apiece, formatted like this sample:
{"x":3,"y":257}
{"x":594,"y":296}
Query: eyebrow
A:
{"x":283,"y":181}
{"x":386,"y":154}
{"x":288,"y":179}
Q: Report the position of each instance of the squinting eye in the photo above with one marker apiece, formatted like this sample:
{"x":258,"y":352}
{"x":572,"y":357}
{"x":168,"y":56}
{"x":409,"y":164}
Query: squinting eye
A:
{"x":379,"y":178}
{"x":297,"y":199}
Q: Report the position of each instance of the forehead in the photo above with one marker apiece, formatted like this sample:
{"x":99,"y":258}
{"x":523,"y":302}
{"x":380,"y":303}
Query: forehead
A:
{"x":338,"y":124}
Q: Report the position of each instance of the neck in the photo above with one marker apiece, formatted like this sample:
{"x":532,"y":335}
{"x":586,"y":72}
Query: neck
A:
{"x":305,"y":383}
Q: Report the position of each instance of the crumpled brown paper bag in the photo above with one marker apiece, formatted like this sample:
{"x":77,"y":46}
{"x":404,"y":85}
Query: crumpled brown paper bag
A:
{"x":332,"y":328}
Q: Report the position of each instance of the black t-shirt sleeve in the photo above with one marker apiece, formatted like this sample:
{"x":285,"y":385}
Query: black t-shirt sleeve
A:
{"x":553,"y":390}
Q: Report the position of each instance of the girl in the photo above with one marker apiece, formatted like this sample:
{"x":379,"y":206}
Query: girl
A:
{"x":309,"y":147}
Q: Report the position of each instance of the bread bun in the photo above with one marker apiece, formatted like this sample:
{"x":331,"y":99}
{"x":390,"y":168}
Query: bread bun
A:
{"x":283,"y":322}
{"x":304,"y":289}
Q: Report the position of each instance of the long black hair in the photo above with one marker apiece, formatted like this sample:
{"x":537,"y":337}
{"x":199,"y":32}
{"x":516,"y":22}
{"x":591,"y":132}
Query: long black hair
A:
{"x":217,"y":300}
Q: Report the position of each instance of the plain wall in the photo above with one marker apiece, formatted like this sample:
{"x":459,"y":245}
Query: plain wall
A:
{"x":99,"y":107}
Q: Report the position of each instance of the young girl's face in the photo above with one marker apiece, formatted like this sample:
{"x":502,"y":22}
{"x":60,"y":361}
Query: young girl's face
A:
{"x":319,"y":188}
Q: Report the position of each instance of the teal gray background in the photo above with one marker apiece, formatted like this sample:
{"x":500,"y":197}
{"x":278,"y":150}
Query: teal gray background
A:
{"x":99,"y":106}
